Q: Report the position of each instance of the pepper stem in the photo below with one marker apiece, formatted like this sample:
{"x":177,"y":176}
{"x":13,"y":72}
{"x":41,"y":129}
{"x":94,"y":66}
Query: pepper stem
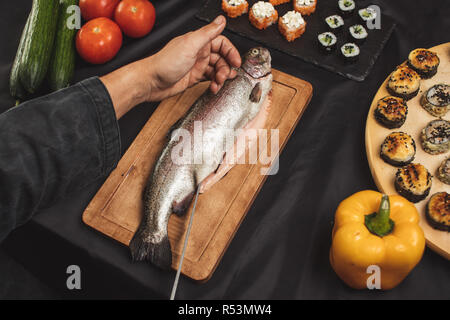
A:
{"x":379,"y":222}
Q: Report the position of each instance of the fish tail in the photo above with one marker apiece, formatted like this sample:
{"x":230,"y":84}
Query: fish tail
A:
{"x":159,"y":254}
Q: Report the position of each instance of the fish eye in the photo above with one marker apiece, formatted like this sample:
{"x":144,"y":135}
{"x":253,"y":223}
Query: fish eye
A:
{"x":255,"y":51}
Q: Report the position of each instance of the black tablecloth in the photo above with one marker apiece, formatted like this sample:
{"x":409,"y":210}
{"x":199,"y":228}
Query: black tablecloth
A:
{"x":281,"y":249}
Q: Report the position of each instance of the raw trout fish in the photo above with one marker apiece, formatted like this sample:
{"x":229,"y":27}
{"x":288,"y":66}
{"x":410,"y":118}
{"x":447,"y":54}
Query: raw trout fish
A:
{"x":242,"y":103}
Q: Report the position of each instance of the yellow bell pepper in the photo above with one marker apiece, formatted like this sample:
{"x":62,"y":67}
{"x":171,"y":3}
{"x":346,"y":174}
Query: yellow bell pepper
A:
{"x":372,"y":229}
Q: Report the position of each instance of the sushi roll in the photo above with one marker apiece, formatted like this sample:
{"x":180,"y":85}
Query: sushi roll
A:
{"x":367,"y":14}
{"x":424,"y":62}
{"x":436,"y":100}
{"x":234,"y":8}
{"x":347,"y":7}
{"x":438,"y":211}
{"x":350,"y":52}
{"x":443,"y":173}
{"x":292,"y":25}
{"x":435,"y":137}
{"x":398,"y":149}
{"x":335,"y":23}
{"x":262,"y":15}
{"x":278,"y":2}
{"x":413,"y":182}
{"x":327,"y":41}
{"x":404,"y":82}
{"x":305,"y":7}
{"x":358,"y":33}
{"x":391,"y":112}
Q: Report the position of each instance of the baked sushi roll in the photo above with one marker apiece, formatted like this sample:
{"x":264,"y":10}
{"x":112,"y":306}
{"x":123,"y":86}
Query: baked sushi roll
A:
{"x":435,"y":137}
{"x":262,"y":15}
{"x":346,"y":7}
{"x":327,"y":41}
{"x":234,"y":8}
{"x":358,"y":34}
{"x":367,"y":14}
{"x":335,"y":23}
{"x":350,"y":52}
{"x":278,"y":2}
{"x":292,"y":25}
{"x":424,"y":62}
{"x":404,"y":82}
{"x":398,"y":149}
{"x":436,"y":100}
{"x":437,"y":211}
{"x":391,"y":112}
{"x":443,"y":172}
{"x":413,"y":182}
{"x":305,"y":7}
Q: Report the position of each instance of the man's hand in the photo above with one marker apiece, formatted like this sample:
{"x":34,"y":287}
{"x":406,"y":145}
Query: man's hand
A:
{"x":199,"y":55}
{"x":193,"y":57}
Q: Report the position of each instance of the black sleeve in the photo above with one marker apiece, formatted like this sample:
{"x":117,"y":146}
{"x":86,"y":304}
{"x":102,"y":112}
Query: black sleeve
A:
{"x":53,"y":145}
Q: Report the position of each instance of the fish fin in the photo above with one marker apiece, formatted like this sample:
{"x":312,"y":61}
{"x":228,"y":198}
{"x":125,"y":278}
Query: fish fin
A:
{"x":159,"y":254}
{"x":180,"y":208}
{"x":255,"y":95}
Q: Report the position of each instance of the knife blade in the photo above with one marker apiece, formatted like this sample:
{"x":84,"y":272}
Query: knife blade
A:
{"x":180,"y":264}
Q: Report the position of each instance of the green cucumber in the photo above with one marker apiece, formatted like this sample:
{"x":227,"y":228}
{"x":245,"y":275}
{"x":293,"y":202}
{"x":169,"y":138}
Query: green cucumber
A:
{"x":62,"y":64}
{"x":15,"y":87}
{"x":38,"y":44}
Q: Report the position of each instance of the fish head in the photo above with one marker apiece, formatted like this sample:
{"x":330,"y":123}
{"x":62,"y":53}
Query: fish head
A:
{"x":257,"y":62}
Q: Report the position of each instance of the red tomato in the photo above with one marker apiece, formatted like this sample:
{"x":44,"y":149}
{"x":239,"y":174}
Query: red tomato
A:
{"x":99,"y":40}
{"x":91,"y":9}
{"x":136,"y":18}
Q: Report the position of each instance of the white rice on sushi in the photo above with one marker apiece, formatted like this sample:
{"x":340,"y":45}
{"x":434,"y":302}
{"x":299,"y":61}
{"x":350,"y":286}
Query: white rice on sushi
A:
{"x":367,"y":14}
{"x":335,"y":22}
{"x":327,"y":41}
{"x":262,"y":15}
{"x":305,"y":7}
{"x":358,"y":33}
{"x":347,"y":7}
{"x":292,"y":25}
{"x":350,"y":52}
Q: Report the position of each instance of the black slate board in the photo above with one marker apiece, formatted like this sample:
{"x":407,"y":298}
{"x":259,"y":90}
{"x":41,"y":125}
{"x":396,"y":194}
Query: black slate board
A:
{"x":306,"y":47}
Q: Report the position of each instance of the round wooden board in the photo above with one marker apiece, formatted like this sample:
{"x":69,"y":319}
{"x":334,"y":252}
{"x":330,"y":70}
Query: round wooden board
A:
{"x":417,"y":119}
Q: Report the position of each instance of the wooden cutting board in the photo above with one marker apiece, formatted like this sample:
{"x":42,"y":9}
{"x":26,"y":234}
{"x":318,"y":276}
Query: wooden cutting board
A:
{"x":416,"y":120}
{"x":116,"y":209}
